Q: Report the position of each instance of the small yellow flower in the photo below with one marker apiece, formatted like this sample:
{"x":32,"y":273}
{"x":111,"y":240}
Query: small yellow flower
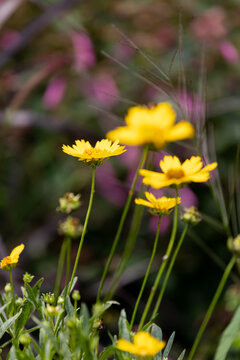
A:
{"x":159,"y":206}
{"x":155,"y":125}
{"x":94,"y":156}
{"x":143,"y":345}
{"x":9,"y":262}
{"x":175,"y":173}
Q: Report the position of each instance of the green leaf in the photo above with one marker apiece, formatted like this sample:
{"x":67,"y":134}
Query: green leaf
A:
{"x":123,"y":326}
{"x":7,"y":324}
{"x":84,"y":316}
{"x":107,"y":352}
{"x":181,"y":356}
{"x":157,"y":333}
{"x":228,"y":336}
{"x":27,"y":310}
{"x":169,"y":345}
{"x":69,"y":307}
{"x":33,"y":295}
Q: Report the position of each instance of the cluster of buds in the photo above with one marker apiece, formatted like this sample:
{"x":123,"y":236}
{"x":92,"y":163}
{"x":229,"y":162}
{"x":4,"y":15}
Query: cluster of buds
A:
{"x":27,"y":278}
{"x":71,"y":227}
{"x":191,"y":216}
{"x":69,"y":202}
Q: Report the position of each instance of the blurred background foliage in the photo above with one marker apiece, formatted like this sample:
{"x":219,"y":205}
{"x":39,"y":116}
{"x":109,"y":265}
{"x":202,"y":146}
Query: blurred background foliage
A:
{"x":71,"y":69}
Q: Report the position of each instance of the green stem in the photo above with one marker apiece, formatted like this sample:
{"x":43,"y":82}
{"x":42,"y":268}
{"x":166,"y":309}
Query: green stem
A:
{"x":121,"y":223}
{"x":11,"y":282}
{"x":68,"y":264}
{"x":163,"y":265}
{"x":155,"y":311}
{"x":147,"y":273}
{"x":60,"y":270}
{"x":212,"y":306}
{"x":84,"y":230}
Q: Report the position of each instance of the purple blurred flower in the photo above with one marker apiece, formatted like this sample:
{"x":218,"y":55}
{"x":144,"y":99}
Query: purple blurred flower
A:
{"x":192,"y":106}
{"x":54,"y":92}
{"x":8,"y":39}
{"x":153,"y":223}
{"x":109,"y":186}
{"x":229,"y":52}
{"x":123,"y":51}
{"x":83,"y":51}
{"x":102,"y":89}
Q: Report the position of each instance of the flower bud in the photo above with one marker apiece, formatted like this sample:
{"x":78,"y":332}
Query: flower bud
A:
{"x":76,"y":295}
{"x":234,"y":245}
{"x":49,"y":298}
{"x":191,"y":216}
{"x":70,"y":227}
{"x":60,"y":300}
{"x":27,"y":278}
{"x":8,"y":288}
{"x":25,"y":339}
{"x":19,"y":301}
{"x":69,"y":202}
{"x":52,"y":310}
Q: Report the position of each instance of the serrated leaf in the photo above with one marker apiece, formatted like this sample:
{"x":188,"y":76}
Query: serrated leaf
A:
{"x":169,"y":345}
{"x":181,"y":356}
{"x":34,"y":297}
{"x":157,"y":333}
{"x":7,"y":324}
{"x":123,"y":326}
{"x":228,"y":336}
{"x":37,"y":286}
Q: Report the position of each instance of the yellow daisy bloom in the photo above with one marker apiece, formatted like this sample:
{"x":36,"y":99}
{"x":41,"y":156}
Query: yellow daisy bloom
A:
{"x":175,"y":173}
{"x":155,"y":125}
{"x":143,"y":345}
{"x":94,"y":156}
{"x":9,"y":262}
{"x":158,"y":206}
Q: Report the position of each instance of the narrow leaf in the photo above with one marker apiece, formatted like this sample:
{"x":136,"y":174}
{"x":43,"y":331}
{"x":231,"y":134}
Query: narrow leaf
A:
{"x":169,"y":345}
{"x":124,"y":332}
{"x":7,"y":324}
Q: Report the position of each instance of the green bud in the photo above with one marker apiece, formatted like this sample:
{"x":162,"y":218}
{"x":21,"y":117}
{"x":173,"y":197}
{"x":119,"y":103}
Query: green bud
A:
{"x":19,"y":301}
{"x":234,"y":245}
{"x":69,"y":202}
{"x":25,"y":339}
{"x":60,"y":300}
{"x":70,"y":227}
{"x":8,"y":288}
{"x":49,"y":298}
{"x":27,"y":278}
{"x":191,"y":216}
{"x":76,"y":295}
{"x":52,"y":310}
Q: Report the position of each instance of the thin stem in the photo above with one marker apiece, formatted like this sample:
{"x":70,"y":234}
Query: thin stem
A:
{"x":155,"y":311}
{"x":212,"y":306}
{"x":121,"y":223}
{"x":147,"y":273}
{"x":11,"y":282}
{"x":84,"y":230}
{"x":60,"y":269}
{"x":68,"y":264}
{"x":163,"y":265}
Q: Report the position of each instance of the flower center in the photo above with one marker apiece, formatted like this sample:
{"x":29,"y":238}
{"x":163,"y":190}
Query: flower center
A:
{"x":92,"y":151}
{"x":175,"y":173}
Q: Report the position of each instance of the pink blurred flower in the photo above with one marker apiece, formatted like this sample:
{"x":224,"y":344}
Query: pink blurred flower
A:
{"x":103,"y":90}
{"x":109,"y":186}
{"x":54,"y":92}
{"x":192,"y":106}
{"x":83,"y":51}
{"x":229,"y":52}
{"x":123,"y":51}
{"x":153,"y":223}
{"x":8,"y":39}
{"x":210,"y":26}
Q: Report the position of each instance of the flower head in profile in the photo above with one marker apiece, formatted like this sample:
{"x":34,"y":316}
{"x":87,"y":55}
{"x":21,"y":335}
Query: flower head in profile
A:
{"x":9,"y":262}
{"x":177,"y":174}
{"x":143,"y":345}
{"x":154,"y":125}
{"x":158,"y":206}
{"x":94,"y":156}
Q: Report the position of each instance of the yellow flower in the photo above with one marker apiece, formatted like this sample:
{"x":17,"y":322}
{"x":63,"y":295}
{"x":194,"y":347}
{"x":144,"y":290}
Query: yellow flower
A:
{"x":94,"y":156}
{"x":155,"y":125}
{"x":159,"y":206}
{"x":143,"y":345}
{"x":175,"y":173}
{"x":9,"y":262}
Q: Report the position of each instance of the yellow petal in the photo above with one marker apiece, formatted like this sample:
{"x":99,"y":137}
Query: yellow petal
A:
{"x":126,"y":136}
{"x":170,"y":162}
{"x":193,"y":165}
{"x":182,"y":130}
{"x":125,"y":345}
{"x":16,"y":252}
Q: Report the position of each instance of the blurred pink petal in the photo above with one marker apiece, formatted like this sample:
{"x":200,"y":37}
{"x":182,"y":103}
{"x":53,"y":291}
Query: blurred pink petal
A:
{"x":54,"y":92}
{"x":123,"y":51}
{"x":153,"y":223}
{"x":8,"y":39}
{"x":109,"y":186}
{"x":83,"y":51}
{"x":192,"y":106}
{"x":103,"y":90}
{"x":229,"y":52}
{"x":188,"y":198}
